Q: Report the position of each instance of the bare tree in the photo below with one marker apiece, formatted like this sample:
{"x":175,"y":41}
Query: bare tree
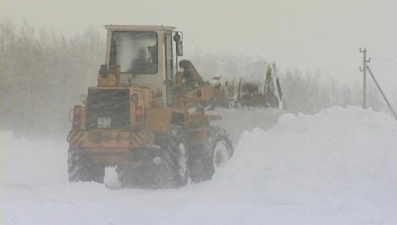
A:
{"x":43,"y":75}
{"x":309,"y":93}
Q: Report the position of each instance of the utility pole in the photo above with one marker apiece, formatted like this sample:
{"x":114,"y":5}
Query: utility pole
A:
{"x":364,"y":70}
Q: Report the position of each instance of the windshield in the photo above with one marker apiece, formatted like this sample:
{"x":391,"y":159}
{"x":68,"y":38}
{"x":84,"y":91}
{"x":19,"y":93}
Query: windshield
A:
{"x":134,"y":51}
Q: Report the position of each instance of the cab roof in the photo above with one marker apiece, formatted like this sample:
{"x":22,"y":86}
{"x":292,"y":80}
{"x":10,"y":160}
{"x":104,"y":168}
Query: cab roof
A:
{"x":138,"y":28}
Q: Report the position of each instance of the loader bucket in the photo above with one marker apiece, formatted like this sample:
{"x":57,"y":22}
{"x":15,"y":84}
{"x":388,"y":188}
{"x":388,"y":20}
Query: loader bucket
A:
{"x":255,"y":94}
{"x":241,"y":81}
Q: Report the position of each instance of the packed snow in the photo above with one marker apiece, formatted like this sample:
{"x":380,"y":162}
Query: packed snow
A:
{"x":338,"y":166}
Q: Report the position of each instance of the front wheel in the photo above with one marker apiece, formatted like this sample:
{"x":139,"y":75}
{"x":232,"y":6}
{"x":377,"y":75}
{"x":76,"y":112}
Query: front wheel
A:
{"x":178,"y":148}
{"x":221,"y":154}
{"x":207,"y":157}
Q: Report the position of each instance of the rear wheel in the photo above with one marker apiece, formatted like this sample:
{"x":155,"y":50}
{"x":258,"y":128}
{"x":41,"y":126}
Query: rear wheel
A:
{"x":81,"y":168}
{"x":210,"y":155}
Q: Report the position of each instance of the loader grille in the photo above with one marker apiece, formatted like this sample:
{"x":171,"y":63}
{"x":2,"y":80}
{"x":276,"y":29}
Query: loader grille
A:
{"x":112,"y":105}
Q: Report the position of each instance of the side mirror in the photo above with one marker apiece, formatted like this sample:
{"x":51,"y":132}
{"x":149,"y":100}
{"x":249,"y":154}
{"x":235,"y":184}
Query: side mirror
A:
{"x":179,"y":46}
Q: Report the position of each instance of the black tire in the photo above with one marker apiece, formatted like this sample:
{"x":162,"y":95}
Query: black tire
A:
{"x":172,"y":172}
{"x":207,"y":157}
{"x":80,"y":168}
{"x":148,"y":175}
{"x":177,"y":152}
{"x":181,"y":152}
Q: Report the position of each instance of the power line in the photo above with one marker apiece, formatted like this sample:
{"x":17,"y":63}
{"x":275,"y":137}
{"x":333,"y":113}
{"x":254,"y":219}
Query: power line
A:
{"x":393,"y":71}
{"x":385,"y":45}
{"x":389,"y":61}
{"x":383,"y":64}
{"x":381,"y":51}
{"x":392,"y":58}
{"x":383,"y":60}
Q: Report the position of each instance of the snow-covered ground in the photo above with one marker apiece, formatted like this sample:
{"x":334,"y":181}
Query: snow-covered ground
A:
{"x":336,"y":167}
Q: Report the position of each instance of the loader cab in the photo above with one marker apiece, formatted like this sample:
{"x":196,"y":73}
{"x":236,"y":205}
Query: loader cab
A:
{"x":146,"y":56}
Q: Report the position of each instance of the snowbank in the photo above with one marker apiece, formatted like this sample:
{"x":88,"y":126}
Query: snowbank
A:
{"x":32,"y":163}
{"x":316,"y":152}
{"x":335,"y":167}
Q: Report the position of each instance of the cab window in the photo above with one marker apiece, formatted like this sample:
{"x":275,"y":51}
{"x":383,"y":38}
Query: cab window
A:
{"x":135,"y":52}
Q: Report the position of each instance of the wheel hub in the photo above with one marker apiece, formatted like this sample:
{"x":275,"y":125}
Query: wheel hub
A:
{"x":221,"y":154}
{"x":182,"y":161}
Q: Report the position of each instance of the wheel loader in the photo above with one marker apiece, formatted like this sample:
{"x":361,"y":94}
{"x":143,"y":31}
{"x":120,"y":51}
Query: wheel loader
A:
{"x":146,"y":116}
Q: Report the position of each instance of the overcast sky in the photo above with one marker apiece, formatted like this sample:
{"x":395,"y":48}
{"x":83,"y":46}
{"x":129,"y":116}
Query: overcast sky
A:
{"x":321,"y":36}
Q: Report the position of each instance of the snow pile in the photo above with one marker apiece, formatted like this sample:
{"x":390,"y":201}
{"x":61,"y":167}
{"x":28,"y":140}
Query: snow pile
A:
{"x":28,"y":163}
{"x":340,"y":164}
{"x":335,"y":167}
{"x":334,"y":149}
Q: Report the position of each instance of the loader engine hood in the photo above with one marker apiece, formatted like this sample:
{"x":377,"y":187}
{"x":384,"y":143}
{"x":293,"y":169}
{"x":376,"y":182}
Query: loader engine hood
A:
{"x":117,"y":108}
{"x":108,"y":108}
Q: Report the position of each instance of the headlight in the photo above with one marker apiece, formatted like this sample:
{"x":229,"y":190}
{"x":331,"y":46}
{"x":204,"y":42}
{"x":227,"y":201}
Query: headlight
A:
{"x":134,"y":98}
{"x":83,"y":98}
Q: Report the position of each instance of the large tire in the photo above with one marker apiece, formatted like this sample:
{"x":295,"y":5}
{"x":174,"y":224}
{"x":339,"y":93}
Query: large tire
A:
{"x":207,"y":157}
{"x":178,"y":150}
{"x":80,"y":168}
{"x":171,"y":171}
{"x":148,"y":175}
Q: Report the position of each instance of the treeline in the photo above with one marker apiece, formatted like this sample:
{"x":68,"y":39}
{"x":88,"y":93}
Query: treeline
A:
{"x":308,"y":93}
{"x":43,"y":75}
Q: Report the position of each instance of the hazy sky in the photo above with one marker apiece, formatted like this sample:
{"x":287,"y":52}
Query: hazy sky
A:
{"x":321,"y":36}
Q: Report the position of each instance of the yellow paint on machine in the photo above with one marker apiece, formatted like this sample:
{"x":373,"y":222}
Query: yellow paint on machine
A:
{"x":111,"y":139}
